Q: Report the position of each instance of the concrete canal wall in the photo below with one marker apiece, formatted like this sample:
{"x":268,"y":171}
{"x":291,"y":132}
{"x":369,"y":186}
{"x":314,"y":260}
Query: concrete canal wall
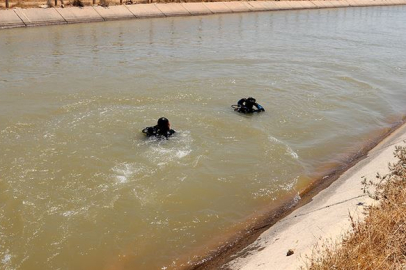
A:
{"x":48,"y":16}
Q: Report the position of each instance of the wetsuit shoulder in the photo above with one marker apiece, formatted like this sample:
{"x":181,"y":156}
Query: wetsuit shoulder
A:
{"x":259,"y":107}
{"x":149,"y":131}
{"x":241,"y":101}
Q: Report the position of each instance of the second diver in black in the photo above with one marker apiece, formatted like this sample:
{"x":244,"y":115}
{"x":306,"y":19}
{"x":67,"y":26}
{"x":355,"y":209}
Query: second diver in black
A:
{"x":246,"y":105}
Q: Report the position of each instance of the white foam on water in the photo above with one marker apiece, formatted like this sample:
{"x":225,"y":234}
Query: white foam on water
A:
{"x":183,"y":153}
{"x":121,"y":178}
{"x":48,"y":135}
{"x":124,"y":171}
{"x":292,"y":153}
{"x":68,"y":213}
{"x":157,"y":221}
{"x":297,"y":198}
{"x":196,"y":161}
{"x":79,"y":118}
{"x":273,"y":139}
{"x":28,"y":203}
{"x":164,"y":152}
{"x":79,"y":211}
{"x":76,"y":105}
{"x":289,"y":150}
{"x":289,"y":185}
{"x":6,"y":259}
{"x":269,"y":191}
{"x":143,"y":195}
{"x":263,"y":192}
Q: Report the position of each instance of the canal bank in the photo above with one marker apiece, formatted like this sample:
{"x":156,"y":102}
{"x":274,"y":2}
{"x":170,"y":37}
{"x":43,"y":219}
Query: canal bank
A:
{"x":326,"y":218}
{"x":323,"y":214}
{"x":50,"y":16}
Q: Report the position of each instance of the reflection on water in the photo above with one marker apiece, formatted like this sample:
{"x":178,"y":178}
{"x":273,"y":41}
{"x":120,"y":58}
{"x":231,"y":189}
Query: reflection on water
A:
{"x":81,"y":188}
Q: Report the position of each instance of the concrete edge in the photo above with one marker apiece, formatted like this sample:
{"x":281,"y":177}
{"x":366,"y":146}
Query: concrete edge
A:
{"x":197,"y":8}
{"x":173,"y":9}
{"x":80,"y":15}
{"x":325,"y":217}
{"x":238,"y":6}
{"x":114,"y":13}
{"x":10,"y":19}
{"x":217,"y":7}
{"x":40,"y":17}
{"x":145,"y":11}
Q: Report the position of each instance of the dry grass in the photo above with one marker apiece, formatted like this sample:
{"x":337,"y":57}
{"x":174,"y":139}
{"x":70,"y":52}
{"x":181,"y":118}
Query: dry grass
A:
{"x":379,"y":242}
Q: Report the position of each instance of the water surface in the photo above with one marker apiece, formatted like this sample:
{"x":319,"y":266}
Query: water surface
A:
{"x":82,"y":188}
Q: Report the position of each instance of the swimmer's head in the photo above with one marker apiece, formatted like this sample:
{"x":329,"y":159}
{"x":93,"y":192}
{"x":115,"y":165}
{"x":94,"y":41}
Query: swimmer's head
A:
{"x":163,"y":123}
{"x":251,"y":99}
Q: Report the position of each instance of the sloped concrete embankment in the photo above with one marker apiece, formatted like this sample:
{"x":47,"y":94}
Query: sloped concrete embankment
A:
{"x":326,"y":217}
{"x":48,"y":16}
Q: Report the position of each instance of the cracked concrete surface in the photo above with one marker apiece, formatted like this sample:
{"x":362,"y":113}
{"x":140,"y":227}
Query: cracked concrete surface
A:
{"x":325,"y":217}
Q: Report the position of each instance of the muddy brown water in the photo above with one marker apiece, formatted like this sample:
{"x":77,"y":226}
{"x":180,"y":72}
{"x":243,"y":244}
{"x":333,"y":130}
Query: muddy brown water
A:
{"x":82,"y":188}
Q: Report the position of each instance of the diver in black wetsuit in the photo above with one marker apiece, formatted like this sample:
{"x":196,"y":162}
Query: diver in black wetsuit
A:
{"x":162,"y":129}
{"x":246,"y":105}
